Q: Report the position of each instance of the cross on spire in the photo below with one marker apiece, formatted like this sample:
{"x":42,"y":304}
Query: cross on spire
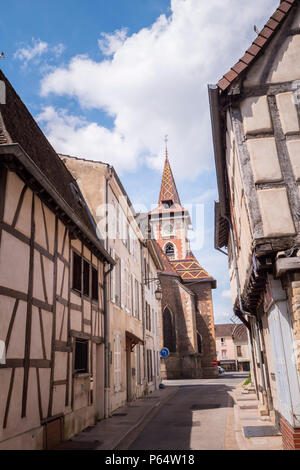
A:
{"x":166,"y":142}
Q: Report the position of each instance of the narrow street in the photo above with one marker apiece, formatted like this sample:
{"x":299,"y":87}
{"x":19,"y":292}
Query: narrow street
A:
{"x":194,"y":419}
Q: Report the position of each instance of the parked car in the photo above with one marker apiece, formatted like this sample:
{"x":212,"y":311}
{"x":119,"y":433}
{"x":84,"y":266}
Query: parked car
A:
{"x":221,"y":370}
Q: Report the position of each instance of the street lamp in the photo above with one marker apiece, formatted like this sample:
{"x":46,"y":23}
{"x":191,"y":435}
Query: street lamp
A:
{"x":158,"y":292}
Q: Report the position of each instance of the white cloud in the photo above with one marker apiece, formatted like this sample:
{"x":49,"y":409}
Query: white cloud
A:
{"x":226,"y":294}
{"x":155,"y":82}
{"x":73,"y":135}
{"x":28,"y":53}
{"x":34,"y":52}
{"x":111,"y":42}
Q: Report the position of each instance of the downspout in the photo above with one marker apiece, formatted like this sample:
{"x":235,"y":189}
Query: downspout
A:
{"x":107,"y":344}
{"x":107,"y":351}
{"x":143,"y":316}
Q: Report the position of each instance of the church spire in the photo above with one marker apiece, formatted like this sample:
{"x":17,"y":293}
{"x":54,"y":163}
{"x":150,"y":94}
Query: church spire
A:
{"x":168,"y":190}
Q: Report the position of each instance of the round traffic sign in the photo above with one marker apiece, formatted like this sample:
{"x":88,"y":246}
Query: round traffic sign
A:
{"x":164,"y":352}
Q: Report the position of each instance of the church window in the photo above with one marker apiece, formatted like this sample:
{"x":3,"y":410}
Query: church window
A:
{"x":170,"y":250}
{"x":199,"y":343}
{"x":169,"y":331}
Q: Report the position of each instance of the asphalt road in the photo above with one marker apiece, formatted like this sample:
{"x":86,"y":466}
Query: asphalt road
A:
{"x":194,"y":419}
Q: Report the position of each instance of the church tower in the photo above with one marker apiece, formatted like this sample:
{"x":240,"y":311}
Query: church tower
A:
{"x":170,"y":221}
{"x":187,"y":321}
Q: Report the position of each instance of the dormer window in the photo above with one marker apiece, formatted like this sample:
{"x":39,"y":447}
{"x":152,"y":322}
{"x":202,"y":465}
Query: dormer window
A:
{"x":77,"y":194}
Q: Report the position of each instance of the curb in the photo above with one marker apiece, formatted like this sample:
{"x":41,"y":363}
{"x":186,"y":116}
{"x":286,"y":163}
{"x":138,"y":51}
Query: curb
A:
{"x":141,"y":424}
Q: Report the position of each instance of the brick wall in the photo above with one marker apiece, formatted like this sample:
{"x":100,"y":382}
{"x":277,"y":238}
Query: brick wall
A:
{"x":290,"y":436}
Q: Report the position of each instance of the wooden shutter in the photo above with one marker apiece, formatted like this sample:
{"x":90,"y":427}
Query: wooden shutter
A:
{"x":117,"y":362}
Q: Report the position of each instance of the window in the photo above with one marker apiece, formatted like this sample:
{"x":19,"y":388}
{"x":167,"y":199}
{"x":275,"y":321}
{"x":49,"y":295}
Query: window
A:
{"x":224,"y":354}
{"x":199,"y":343}
{"x":149,"y":366}
{"x":223,"y":342}
{"x":86,"y":278}
{"x":117,"y":282}
{"x":95,"y":294}
{"x":170,"y":250}
{"x":76,"y":272}
{"x":117,"y":362}
{"x":137,"y":300}
{"x":169,"y":331}
{"x":81,"y":356}
{"x":239,"y":351}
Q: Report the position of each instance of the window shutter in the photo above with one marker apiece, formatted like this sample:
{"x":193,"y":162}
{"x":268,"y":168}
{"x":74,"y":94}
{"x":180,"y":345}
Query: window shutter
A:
{"x":117,"y":363}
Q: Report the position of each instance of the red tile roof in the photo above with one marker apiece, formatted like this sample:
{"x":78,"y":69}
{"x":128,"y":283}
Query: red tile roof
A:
{"x":258,"y":45}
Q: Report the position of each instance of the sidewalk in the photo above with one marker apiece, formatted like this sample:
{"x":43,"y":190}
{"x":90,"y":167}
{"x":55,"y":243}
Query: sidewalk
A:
{"x":119,"y":431}
{"x":246,"y":424}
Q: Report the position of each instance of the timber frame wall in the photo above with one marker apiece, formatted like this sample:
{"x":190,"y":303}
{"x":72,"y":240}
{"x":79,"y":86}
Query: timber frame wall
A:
{"x":41,"y":316}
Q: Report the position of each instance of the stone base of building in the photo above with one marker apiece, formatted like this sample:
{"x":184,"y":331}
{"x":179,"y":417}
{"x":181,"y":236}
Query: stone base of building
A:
{"x":210,"y":372}
{"x":181,"y":367}
{"x":290,"y":436}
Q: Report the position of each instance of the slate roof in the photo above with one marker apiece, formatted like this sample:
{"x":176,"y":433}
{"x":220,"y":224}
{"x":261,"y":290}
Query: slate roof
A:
{"x":258,"y":45}
{"x":190,"y":270}
{"x":17,"y":126}
{"x":224,"y":330}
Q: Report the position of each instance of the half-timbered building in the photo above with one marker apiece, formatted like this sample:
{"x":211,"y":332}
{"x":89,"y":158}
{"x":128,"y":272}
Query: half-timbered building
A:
{"x":52,"y":280}
{"x":256,"y":130}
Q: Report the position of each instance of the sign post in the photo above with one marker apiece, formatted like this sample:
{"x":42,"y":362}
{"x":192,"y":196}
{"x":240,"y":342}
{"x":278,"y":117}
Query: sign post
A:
{"x":164,"y":353}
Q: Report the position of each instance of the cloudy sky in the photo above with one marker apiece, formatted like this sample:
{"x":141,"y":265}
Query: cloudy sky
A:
{"x":107,"y":80}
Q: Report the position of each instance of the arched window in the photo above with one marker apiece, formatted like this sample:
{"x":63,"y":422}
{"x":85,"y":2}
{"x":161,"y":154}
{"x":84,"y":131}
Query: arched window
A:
{"x":199,"y":342}
{"x":169,"y":331}
{"x":170,"y":250}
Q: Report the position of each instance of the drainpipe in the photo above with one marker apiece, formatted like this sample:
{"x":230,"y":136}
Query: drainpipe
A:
{"x":143,"y":314}
{"x":106,"y":324}
{"x":107,"y":344}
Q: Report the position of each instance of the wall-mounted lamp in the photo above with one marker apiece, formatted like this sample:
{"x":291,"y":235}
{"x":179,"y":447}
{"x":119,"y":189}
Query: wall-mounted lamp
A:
{"x":158,"y":291}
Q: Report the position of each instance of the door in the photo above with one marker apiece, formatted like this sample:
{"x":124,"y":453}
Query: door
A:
{"x":99,"y":387}
{"x":128,"y":371}
{"x":287,"y":379}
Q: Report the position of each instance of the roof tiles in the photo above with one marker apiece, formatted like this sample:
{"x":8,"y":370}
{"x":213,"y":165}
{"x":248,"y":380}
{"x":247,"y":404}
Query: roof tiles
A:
{"x":258,"y":44}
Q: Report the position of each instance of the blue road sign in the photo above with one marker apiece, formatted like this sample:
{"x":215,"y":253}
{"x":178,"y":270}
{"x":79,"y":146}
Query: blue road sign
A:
{"x":164,"y":352}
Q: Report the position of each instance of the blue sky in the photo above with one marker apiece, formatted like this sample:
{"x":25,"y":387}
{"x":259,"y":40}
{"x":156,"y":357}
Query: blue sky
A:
{"x":106,"y":80}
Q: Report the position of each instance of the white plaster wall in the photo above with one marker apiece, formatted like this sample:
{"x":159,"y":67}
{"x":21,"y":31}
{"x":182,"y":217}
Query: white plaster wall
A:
{"x":288,"y":112}
{"x":14,"y":263}
{"x":294,"y":152}
{"x":256,"y":115}
{"x":276,"y":214}
{"x":264,"y":160}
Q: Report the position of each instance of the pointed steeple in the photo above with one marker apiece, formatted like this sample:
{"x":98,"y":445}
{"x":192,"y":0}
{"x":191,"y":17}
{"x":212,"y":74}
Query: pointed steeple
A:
{"x":168,"y":190}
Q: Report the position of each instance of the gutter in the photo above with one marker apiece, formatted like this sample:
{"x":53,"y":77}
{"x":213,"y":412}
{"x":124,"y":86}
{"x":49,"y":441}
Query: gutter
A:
{"x":216,"y":123}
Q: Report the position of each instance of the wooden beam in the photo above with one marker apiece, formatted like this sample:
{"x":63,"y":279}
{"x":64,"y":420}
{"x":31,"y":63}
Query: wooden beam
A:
{"x":284,"y":265}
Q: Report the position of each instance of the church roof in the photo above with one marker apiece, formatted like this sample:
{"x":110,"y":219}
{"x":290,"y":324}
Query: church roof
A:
{"x":168,"y":190}
{"x":190,"y":270}
{"x":258,"y":45}
{"x":168,"y":268}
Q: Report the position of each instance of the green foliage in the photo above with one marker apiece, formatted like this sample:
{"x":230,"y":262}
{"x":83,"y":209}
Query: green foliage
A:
{"x":248,"y":381}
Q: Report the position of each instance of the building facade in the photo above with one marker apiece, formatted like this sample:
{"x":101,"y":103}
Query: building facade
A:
{"x":187,"y":321}
{"x":133,"y":345}
{"x":226,"y":355}
{"x":52,"y":275}
{"x":256,"y":132}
